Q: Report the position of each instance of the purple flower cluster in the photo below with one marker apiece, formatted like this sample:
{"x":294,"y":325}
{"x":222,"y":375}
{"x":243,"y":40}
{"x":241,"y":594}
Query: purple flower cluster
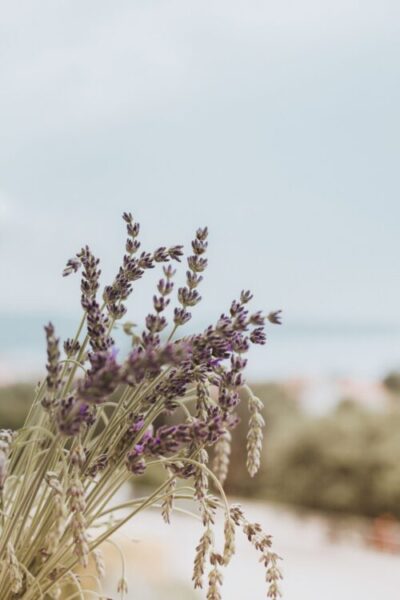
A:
{"x":188,"y":296}
{"x":106,"y":374}
{"x":102,"y":378}
{"x":97,"y":320}
{"x":209,"y":364}
{"x":53,"y":366}
{"x":133,"y":268}
{"x":169,"y":440}
{"x":149,"y":361}
{"x":72,"y":414}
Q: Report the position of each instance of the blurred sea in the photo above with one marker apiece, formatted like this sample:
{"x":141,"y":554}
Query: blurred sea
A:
{"x":294,"y":350}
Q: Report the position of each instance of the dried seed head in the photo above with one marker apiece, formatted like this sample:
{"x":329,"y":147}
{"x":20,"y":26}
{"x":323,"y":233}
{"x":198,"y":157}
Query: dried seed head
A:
{"x":229,"y":533}
{"x":202,"y":552}
{"x":222,"y":451}
{"x":122,"y":587}
{"x":168,"y":500}
{"x":59,"y":514}
{"x":215,"y":578}
{"x":201,"y":487}
{"x":15,"y":572}
{"x":254,"y":435}
{"x":78,"y":456}
{"x":99,"y":562}
{"x":273,"y":574}
{"x":6,"y":438}
{"x":211,"y":503}
{"x":78,"y":522}
{"x":53,"y":482}
{"x":262,"y":543}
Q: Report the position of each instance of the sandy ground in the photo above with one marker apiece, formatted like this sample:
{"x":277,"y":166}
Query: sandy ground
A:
{"x":159,"y":561}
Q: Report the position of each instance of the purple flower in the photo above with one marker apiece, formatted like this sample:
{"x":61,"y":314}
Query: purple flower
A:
{"x":102,"y":379}
{"x":258,"y":336}
{"x":71,"y":414}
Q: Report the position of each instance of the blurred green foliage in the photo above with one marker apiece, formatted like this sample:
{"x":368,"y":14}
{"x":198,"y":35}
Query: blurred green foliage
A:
{"x":392,"y":382}
{"x":346,"y":461}
{"x":14,"y":404}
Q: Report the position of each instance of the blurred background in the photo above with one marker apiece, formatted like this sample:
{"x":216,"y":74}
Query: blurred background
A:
{"x":276,"y":124}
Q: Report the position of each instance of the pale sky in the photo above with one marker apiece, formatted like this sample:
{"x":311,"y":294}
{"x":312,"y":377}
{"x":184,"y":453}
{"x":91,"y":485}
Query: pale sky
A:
{"x":275,"y":123}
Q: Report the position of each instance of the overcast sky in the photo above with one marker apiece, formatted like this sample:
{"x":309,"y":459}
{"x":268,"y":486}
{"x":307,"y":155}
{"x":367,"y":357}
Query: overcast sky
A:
{"x":274,"y":122}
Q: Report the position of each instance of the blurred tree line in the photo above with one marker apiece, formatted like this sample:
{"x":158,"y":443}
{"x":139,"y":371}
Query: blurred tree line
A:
{"x":346,"y":461}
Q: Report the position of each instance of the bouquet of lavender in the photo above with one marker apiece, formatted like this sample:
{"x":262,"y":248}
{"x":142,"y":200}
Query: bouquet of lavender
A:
{"x":93,"y":426}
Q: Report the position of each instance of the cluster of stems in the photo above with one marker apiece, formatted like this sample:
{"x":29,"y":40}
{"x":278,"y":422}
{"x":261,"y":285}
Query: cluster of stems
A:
{"x":97,"y":422}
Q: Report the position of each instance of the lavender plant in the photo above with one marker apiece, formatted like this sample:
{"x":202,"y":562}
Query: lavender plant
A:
{"x":81,"y":441}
